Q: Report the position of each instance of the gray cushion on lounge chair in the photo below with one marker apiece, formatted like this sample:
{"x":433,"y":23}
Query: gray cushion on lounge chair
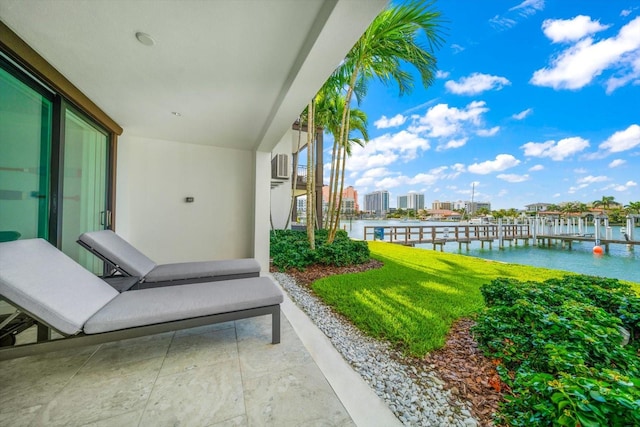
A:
{"x":193,"y":270}
{"x":46,"y":283}
{"x":118,"y":251}
{"x":166,"y":304}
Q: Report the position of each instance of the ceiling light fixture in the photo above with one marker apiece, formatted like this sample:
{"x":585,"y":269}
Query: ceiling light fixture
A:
{"x":145,"y":39}
{"x":175,"y":113}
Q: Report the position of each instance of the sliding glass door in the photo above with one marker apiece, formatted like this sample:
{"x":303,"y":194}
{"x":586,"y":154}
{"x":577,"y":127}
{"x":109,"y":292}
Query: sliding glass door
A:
{"x":84,"y":201}
{"x":54,"y":167}
{"x":25,"y":158}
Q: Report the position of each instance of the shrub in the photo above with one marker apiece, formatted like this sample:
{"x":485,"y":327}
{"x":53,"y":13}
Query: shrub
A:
{"x":290,"y":249}
{"x":558,"y":345}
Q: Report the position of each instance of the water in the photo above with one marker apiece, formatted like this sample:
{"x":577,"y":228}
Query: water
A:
{"x":619,"y":263}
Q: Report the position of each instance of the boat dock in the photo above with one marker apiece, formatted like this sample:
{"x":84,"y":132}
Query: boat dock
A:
{"x":535,"y":231}
{"x":438,"y":235}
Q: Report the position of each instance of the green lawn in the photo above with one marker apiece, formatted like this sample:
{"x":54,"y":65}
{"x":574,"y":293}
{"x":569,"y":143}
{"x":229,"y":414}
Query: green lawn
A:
{"x":413,"y":300}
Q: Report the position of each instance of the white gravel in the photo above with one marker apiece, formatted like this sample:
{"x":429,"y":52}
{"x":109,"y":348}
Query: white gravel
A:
{"x":417,"y":398}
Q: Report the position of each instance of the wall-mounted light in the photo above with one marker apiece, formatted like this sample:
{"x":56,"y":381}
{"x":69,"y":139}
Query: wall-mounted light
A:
{"x":145,"y":39}
{"x":189,"y":199}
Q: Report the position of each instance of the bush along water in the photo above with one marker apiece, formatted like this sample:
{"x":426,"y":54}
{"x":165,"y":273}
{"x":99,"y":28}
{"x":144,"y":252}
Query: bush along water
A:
{"x":290,"y":249}
{"x":561,"y":347}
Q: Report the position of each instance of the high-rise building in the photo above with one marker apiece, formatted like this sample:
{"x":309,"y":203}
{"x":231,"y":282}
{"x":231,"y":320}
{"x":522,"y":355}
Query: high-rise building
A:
{"x":402,"y":202}
{"x":349,"y":199}
{"x":377,"y":202}
{"x":413,"y":201}
{"x":438,"y":205}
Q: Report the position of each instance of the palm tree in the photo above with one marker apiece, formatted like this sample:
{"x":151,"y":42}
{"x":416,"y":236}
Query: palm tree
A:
{"x":605,"y":202}
{"x":330,"y":104}
{"x":390,"y":41}
{"x":633,"y":207}
{"x":357,"y":122}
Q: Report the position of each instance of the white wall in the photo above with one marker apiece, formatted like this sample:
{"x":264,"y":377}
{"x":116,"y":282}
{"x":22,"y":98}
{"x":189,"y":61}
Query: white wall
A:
{"x":281,"y":195}
{"x":153,"y":179}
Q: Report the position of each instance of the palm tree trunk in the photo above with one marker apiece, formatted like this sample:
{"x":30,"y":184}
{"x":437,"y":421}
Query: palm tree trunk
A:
{"x":310,"y":177}
{"x":327,"y":220}
{"x":334,"y":219}
{"x":294,"y":176}
{"x":344,"y":161}
{"x":344,"y":134}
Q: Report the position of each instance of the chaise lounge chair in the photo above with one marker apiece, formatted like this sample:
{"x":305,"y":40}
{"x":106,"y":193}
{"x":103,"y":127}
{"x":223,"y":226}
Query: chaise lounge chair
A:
{"x":58,"y":293}
{"x":128,"y":261}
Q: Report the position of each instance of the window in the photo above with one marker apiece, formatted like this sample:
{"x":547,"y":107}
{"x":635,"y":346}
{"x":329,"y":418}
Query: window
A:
{"x":55,"y":166}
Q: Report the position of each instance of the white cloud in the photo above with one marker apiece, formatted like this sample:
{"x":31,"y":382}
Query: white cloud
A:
{"x":580,"y":170}
{"x":556,"y":151}
{"x":365,"y":160}
{"x":555,"y":196}
{"x":458,"y":167}
{"x":536,"y":168}
{"x":383,"y":122}
{"x":502,"y":22}
{"x":568,"y":30}
{"x":454,"y":143}
{"x":391,"y":182}
{"x":443,"y":121}
{"x":572,"y":190}
{"x":529,"y":7}
{"x":488,"y":132}
{"x":457,"y":48}
{"x":511,"y":177}
{"x":376,"y":173}
{"x":580,"y":63}
{"x":625,"y":186}
{"x":617,"y":162}
{"x":631,"y":75}
{"x":590,"y":179}
{"x":522,"y":114}
{"x":371,"y":176}
{"x":476,"y":83}
{"x":620,"y":187}
{"x":367,"y":165}
{"x":442,"y":74}
{"x":382,"y":178}
{"x":502,"y":162}
{"x":522,"y":10}
{"x":622,"y":140}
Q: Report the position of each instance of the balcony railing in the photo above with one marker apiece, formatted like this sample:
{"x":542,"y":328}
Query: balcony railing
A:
{"x":301,"y":178}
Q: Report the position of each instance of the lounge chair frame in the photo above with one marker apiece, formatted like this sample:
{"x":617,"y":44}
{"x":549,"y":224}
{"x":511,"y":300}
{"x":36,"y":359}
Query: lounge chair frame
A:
{"x":114,"y":270}
{"x":45,"y":344}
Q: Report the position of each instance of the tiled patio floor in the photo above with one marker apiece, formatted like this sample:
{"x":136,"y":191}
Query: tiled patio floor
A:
{"x":221,"y":375}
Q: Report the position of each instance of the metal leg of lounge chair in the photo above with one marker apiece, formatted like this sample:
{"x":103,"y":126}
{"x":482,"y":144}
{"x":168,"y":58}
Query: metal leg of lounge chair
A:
{"x":44,"y":333}
{"x":275,"y":325}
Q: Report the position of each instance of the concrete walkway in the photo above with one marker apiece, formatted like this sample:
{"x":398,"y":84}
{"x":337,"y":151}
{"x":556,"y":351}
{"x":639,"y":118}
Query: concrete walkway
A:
{"x":221,"y":375}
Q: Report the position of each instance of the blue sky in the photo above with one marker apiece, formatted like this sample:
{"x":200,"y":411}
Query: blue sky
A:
{"x":535,"y":101}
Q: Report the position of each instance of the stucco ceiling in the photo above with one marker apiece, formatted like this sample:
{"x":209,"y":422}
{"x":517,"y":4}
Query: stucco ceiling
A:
{"x":238,"y":72}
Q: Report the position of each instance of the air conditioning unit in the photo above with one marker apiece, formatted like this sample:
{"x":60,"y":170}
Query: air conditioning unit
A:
{"x":280,"y":167}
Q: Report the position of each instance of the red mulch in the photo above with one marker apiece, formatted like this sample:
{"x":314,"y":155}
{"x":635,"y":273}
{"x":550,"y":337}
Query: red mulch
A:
{"x":467,"y":372}
{"x":460,"y":364}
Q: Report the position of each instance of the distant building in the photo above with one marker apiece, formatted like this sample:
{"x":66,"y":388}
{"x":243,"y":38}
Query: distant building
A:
{"x":471,"y":207}
{"x":377,"y":202}
{"x":438,"y":205}
{"x":301,"y":204}
{"x":443,"y":215}
{"x":349,"y":199}
{"x":537,"y":207}
{"x":413,"y":201}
